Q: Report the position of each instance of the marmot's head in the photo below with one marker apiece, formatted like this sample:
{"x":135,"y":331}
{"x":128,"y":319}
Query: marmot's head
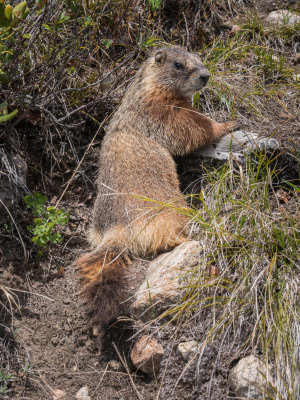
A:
{"x":178,"y":70}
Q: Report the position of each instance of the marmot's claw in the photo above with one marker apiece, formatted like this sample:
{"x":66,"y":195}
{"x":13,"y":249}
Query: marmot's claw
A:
{"x":231,"y":126}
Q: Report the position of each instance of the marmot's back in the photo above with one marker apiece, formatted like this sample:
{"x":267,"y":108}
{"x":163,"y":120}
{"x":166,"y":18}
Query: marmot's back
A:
{"x":133,"y":166}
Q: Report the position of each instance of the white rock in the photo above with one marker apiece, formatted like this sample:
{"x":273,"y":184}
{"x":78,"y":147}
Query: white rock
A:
{"x":247,"y":379}
{"x":234,"y":29}
{"x":238,"y":144}
{"x":275,"y":58}
{"x":147,"y":355}
{"x":283,"y":17}
{"x":83,"y":394}
{"x":296,"y":77}
{"x":188,"y":349}
{"x":166,"y":274}
{"x":59,"y":394}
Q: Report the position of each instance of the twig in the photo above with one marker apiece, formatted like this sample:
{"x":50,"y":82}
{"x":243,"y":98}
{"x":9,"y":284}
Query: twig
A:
{"x":101,"y":379}
{"x":127,"y":370}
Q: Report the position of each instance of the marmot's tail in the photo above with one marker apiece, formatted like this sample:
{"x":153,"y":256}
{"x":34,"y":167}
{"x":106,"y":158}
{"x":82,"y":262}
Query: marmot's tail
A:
{"x":103,"y":276}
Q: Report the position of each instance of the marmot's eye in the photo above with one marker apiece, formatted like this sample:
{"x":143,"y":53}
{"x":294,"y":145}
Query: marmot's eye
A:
{"x":179,"y":66}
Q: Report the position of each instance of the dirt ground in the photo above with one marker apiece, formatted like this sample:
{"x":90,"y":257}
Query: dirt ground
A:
{"x":49,"y":343}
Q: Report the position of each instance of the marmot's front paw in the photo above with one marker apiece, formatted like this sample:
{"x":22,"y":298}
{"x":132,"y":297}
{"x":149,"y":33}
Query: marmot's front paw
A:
{"x":230,"y":126}
{"x":222,"y":129}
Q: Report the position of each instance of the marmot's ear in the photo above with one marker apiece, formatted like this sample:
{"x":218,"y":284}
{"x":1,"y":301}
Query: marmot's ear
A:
{"x":160,"y":57}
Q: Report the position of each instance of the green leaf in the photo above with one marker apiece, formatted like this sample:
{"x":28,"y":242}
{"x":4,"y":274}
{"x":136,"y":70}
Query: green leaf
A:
{"x":107,"y":43}
{"x":20,"y":11}
{"x":297,"y":188}
{"x":154,"y":4}
{"x":3,"y":76}
{"x":5,"y":118}
{"x":5,"y":15}
{"x":47,"y":27}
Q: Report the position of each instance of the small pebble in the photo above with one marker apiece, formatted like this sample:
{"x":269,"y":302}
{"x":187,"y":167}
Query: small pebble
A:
{"x":59,"y":394}
{"x":114,"y":365}
{"x":83,"y":394}
{"x":235,"y":29}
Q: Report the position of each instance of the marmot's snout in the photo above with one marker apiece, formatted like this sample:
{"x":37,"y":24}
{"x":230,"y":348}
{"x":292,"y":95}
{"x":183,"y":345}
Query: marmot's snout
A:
{"x":204,"y":77}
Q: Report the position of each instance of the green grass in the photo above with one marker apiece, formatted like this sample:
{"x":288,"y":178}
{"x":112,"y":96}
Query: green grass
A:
{"x":6,"y":378}
{"x":250,"y":70}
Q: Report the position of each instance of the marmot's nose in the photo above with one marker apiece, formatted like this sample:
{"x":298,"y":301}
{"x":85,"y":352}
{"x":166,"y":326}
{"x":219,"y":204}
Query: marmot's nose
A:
{"x":204,"y":77}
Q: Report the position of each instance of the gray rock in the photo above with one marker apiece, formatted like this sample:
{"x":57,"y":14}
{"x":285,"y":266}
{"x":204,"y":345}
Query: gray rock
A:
{"x":238,"y":144}
{"x":83,"y":394}
{"x":249,"y":378}
{"x":147,"y":355}
{"x":187,"y":349}
{"x":283,"y":17}
{"x":166,"y":274}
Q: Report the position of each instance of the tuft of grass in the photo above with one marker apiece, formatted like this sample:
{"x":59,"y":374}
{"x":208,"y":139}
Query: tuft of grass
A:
{"x":6,"y":378}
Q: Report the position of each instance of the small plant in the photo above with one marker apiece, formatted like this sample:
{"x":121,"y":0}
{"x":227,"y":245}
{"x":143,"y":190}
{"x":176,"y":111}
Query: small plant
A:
{"x":154,"y":4}
{"x":27,"y":368}
{"x":47,"y":221}
{"x":6,"y":377}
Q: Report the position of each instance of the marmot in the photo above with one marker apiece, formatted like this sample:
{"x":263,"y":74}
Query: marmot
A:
{"x":154,"y":122}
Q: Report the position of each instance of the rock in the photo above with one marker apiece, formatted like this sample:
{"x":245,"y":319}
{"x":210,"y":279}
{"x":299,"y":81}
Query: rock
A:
{"x":187,"y":349}
{"x":59,"y":394}
{"x":283,"y":17}
{"x":165,"y":276}
{"x":297,"y":59}
{"x":247,"y":379}
{"x":296,"y":77}
{"x":238,"y":144}
{"x":275,"y":58}
{"x":114,"y":365}
{"x":147,"y":355}
{"x":235,"y":29}
{"x":83,"y":394}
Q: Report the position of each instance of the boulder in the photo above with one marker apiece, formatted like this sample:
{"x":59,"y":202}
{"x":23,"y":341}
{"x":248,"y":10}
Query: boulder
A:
{"x":283,"y":17}
{"x":147,"y":355}
{"x":238,"y":144}
{"x":166,"y":275}
{"x":250,"y":378}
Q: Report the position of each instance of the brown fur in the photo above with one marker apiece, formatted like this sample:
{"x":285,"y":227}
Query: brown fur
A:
{"x":154,"y":122}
